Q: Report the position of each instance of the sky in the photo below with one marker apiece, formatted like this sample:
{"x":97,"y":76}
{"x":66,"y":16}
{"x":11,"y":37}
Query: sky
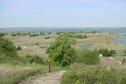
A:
{"x":62,"y":13}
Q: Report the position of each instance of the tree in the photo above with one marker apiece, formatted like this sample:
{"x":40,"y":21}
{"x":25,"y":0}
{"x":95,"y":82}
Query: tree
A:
{"x":61,"y":51}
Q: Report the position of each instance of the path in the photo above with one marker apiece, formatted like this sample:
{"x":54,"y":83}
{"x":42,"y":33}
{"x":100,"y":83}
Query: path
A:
{"x":49,"y":78}
{"x":119,"y":62}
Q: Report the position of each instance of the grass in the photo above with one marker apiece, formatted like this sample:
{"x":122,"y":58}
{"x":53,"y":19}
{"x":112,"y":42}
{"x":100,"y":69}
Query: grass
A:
{"x":13,"y":71}
{"x":93,"y":74}
{"x":13,"y":74}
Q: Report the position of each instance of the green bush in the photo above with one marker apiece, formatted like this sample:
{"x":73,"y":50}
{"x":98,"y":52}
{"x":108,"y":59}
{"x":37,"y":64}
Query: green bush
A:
{"x":87,"y":56}
{"x":47,"y":37}
{"x":19,"y":48}
{"x":107,"y":53}
{"x":34,"y":35}
{"x":8,"y":47}
{"x":2,"y":34}
{"x":34,"y":59}
{"x":124,"y":52}
{"x":61,"y":51}
{"x":79,"y":36}
{"x":82,"y":74}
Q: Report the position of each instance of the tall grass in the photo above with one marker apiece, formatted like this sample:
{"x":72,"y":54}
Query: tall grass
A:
{"x":15,"y":74}
{"x":93,"y":74}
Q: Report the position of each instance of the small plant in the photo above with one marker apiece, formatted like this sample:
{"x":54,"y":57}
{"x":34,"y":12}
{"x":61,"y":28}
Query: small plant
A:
{"x":47,"y":37}
{"x":124,"y":61}
{"x":19,"y":48}
{"x":124,"y":52}
{"x":2,"y":34}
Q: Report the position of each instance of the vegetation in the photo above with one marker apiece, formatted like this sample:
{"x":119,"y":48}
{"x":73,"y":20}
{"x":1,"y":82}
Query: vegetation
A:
{"x":79,"y":36}
{"x":18,"y":73}
{"x":61,"y":51}
{"x":124,"y":52}
{"x":2,"y":34}
{"x":19,"y":48}
{"x":33,"y":35}
{"x":34,"y":59}
{"x":87,"y":56}
{"x":8,"y":52}
{"x":7,"y":47}
{"x":83,"y":74}
{"x":47,"y":37}
{"x":107,"y":53}
{"x":83,"y":64}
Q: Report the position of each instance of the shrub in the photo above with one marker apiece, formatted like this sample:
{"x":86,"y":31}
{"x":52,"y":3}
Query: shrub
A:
{"x":87,"y":56}
{"x":8,"y":47}
{"x":79,"y":36}
{"x":18,"y":48}
{"x":107,"y":53}
{"x":82,"y":74}
{"x":34,"y":59}
{"x":124,"y":52}
{"x":47,"y":37}
{"x":2,"y":34}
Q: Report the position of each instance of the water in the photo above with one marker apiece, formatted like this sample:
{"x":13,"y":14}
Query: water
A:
{"x":45,"y":29}
{"x":86,"y":46}
{"x":120,"y":40}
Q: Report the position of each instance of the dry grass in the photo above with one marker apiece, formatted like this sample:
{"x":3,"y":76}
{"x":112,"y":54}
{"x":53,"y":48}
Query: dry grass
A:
{"x":10,"y":74}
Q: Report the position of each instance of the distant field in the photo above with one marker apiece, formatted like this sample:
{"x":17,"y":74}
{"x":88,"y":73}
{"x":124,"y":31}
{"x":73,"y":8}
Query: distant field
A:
{"x":37,"y":45}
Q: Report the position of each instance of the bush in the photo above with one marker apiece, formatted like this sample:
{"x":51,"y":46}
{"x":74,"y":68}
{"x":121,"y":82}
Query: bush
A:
{"x":61,"y":51}
{"x":124,"y":52}
{"x":79,"y":36}
{"x":18,"y":48}
{"x":34,"y":59}
{"x":8,"y":47}
{"x":82,"y":74}
{"x":107,"y":53}
{"x":2,"y":34}
{"x":47,"y":37}
{"x":87,"y":57}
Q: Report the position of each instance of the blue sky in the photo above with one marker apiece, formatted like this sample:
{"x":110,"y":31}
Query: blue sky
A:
{"x":63,"y":13}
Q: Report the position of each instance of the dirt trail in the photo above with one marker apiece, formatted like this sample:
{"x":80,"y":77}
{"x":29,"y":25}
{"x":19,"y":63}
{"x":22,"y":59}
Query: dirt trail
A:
{"x":49,"y":78}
